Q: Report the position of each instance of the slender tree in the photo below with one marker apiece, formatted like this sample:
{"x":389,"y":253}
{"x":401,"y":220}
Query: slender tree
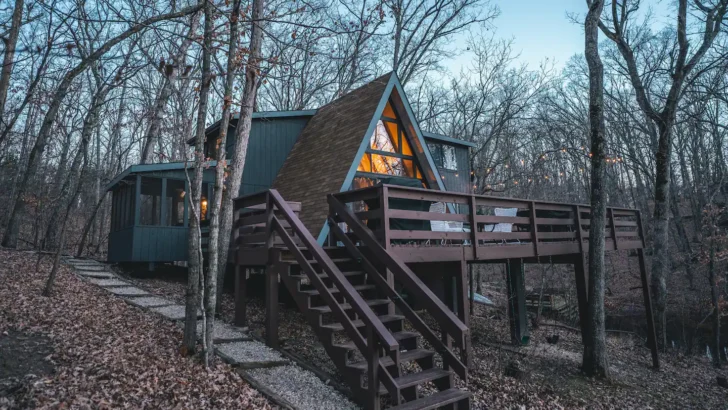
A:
{"x":242,"y":134}
{"x":595,"y":361}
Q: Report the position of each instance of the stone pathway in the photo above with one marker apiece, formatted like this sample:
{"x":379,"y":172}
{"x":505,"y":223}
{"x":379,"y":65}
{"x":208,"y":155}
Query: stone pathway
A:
{"x":265,"y":368}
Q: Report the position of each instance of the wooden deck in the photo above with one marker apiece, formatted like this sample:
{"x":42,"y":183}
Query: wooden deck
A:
{"x":538,"y":229}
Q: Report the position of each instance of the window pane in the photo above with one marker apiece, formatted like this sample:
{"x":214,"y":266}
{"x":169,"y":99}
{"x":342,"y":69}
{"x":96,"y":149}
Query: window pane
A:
{"x":175,"y":203}
{"x":151,"y":201}
{"x":380,"y":140}
{"x":449,"y":160}
{"x":366,"y":164}
{"x":436,"y":153}
{"x":388,"y":111}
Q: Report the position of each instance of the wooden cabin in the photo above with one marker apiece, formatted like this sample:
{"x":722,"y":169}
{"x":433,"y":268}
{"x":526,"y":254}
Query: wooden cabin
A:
{"x":149,"y":214}
{"x":367,"y":221}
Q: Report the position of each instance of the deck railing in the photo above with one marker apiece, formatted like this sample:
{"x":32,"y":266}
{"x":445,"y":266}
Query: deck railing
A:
{"x":475,"y":227}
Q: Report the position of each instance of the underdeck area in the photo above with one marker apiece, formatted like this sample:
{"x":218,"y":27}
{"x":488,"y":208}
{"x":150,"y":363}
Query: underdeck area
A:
{"x":390,"y":254}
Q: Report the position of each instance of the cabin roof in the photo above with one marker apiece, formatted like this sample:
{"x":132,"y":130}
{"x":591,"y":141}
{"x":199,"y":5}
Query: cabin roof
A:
{"x":320,"y":160}
{"x":260,"y":115}
{"x":448,"y":140}
{"x":148,"y":168}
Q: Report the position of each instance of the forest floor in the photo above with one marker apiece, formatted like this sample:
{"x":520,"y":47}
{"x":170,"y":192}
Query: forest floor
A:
{"x":553,"y":378}
{"x":84,"y":348}
{"x":81,"y":353}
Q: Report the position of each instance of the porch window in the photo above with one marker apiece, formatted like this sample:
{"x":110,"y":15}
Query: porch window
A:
{"x":175,"y":203}
{"x":151,"y":201}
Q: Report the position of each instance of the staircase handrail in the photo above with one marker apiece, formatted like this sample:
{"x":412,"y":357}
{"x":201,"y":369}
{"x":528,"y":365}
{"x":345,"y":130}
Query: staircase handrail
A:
{"x":450,"y":323}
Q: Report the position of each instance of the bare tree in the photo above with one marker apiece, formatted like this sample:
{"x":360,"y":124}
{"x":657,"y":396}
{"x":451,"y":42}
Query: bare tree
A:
{"x":10,"y":236}
{"x":595,"y":362}
{"x":664,"y":118}
{"x":242,"y":134}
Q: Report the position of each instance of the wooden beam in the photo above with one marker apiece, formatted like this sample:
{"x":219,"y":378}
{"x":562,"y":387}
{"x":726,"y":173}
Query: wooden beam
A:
{"x":240,"y":296}
{"x":271,"y":303}
{"x":517,"y":302}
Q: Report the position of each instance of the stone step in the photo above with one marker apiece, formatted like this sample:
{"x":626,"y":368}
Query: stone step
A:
{"x":149,"y":301}
{"x":250,"y":354}
{"x":127,"y":291}
{"x":174,"y":312}
{"x":96,"y":275}
{"x":107,"y":283}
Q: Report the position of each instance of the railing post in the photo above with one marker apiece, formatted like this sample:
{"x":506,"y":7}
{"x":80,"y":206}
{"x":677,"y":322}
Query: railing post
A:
{"x":373,"y":371}
{"x":534,"y":229}
{"x":384,"y":207}
{"x":473,"y":226}
{"x":610,"y":213}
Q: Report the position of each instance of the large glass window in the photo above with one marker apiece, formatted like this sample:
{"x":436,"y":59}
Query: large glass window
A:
{"x":389,"y":152}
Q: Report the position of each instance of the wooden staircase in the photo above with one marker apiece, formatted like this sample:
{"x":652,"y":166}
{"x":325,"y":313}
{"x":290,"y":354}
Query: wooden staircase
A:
{"x":358,"y":315}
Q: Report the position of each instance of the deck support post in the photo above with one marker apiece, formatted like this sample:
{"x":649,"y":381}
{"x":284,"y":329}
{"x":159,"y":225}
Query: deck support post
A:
{"x":463,"y":308}
{"x":271,"y":304}
{"x":582,"y":294}
{"x":517,"y":302}
{"x":241,"y":300}
{"x":651,"y":335}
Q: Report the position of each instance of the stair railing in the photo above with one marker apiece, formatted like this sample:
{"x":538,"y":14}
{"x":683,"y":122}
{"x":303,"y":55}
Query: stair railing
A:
{"x":450,"y":360}
{"x":377,"y":337}
{"x":451,"y":325}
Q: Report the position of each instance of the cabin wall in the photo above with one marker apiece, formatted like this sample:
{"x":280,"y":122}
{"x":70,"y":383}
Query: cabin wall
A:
{"x":271,"y":139}
{"x":457,"y":180}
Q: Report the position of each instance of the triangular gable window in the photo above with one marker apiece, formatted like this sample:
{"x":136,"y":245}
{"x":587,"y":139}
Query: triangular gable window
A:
{"x":388,"y":153}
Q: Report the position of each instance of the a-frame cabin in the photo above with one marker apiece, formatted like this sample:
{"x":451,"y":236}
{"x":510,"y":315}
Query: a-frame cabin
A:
{"x":368,"y":222}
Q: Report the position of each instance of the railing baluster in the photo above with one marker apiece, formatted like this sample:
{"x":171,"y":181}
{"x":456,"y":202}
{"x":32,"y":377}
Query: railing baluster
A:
{"x":534,"y":228}
{"x":610,"y":213}
{"x":473,"y":226}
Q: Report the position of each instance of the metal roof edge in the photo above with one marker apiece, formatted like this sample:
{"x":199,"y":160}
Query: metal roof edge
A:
{"x":142,"y":168}
{"x":449,"y":140}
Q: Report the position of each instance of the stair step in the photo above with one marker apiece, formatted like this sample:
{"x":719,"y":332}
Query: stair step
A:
{"x":398,"y":336}
{"x":404,"y":357}
{"x":415,"y":379}
{"x":337,"y":327}
{"x":346,"y":306}
{"x":315,"y":262}
{"x":435,"y":401}
{"x":324,"y":275}
{"x":359,"y":288}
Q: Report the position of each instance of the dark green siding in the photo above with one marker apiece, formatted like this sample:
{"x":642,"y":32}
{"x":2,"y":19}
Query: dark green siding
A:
{"x":160,"y":243}
{"x":459,"y":180}
{"x":271,"y":139}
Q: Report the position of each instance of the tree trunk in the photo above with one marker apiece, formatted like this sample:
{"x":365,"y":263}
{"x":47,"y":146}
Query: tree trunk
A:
{"x":242,"y":132}
{"x":195,"y":259}
{"x":211,"y":277}
{"x":218,"y":259}
{"x":10,"y":236}
{"x":713,"y":279}
{"x":661,"y":240}
{"x":87,"y":226}
{"x":8,"y":59}
{"x":595,"y":361}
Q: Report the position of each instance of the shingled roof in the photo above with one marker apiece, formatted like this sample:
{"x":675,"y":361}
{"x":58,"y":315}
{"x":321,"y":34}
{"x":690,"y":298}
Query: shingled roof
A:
{"x":323,"y":155}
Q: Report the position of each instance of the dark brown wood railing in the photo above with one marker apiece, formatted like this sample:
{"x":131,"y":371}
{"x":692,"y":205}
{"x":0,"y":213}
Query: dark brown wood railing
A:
{"x":378,"y":337}
{"x":539,"y":228}
{"x":451,"y":326}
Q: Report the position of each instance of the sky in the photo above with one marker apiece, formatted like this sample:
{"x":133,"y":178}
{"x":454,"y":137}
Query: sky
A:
{"x":541,"y":29}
